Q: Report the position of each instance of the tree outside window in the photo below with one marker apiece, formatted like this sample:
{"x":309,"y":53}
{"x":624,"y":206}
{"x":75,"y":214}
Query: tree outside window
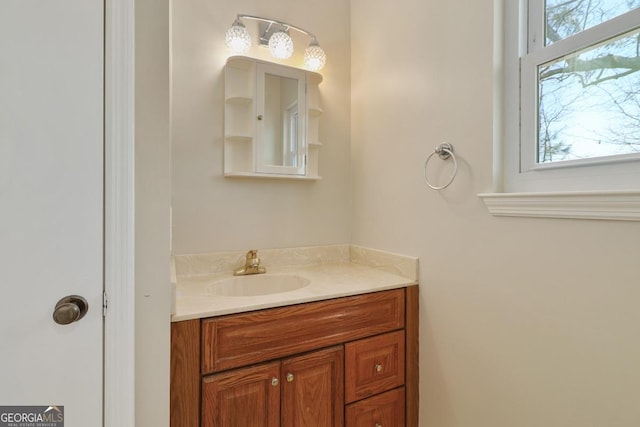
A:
{"x":588,"y":101}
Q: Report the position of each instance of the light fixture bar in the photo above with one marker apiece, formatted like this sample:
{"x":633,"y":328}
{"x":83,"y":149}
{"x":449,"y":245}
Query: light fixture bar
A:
{"x":281,"y":23}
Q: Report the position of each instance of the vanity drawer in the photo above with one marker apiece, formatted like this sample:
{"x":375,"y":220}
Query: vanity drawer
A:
{"x":383,"y":410}
{"x":247,"y":338}
{"x":374,"y":365}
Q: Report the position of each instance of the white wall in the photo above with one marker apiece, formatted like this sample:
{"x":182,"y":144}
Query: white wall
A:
{"x":211,"y":213}
{"x":152,"y":222}
{"x":524,"y":322}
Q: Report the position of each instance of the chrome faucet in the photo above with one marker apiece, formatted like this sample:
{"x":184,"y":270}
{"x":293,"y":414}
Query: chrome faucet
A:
{"x":251,"y":265}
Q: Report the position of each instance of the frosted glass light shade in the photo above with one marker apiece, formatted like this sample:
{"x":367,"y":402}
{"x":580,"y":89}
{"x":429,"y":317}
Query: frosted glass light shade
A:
{"x":314,"y":57}
{"x":281,"y":45}
{"x":237,"y":38}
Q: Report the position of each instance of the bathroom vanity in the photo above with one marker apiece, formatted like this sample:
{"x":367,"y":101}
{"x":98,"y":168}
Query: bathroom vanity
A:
{"x":331,"y":361}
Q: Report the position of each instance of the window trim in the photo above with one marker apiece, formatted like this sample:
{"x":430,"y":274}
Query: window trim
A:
{"x":563,"y":195}
{"x":609,"y":205}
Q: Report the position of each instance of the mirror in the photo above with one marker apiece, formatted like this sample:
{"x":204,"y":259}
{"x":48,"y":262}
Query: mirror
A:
{"x":281,"y":146}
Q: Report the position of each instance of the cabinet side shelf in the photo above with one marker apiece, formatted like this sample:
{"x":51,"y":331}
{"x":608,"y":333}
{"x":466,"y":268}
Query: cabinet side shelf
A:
{"x":239,"y":100}
{"x":273,"y":176}
{"x":238,"y":138}
{"x":315,"y":111}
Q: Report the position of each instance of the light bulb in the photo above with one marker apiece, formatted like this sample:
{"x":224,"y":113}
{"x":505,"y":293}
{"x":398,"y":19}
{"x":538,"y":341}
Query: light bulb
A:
{"x":237,"y":38}
{"x":314,"y":56}
{"x":281,"y":45}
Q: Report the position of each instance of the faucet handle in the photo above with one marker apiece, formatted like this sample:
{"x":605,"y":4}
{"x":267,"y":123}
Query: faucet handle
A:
{"x":252,"y":258}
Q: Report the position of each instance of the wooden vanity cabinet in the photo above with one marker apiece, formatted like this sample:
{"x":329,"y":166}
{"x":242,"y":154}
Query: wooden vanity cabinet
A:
{"x":345,"y":361}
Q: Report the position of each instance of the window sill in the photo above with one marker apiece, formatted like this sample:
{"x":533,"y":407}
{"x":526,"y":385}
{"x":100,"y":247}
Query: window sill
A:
{"x":606,"y":205}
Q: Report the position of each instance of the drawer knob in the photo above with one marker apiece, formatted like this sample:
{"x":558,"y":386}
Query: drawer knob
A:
{"x":378,"y":369}
{"x":289,"y":377}
{"x":274,"y":382}
{"x":378,"y":425}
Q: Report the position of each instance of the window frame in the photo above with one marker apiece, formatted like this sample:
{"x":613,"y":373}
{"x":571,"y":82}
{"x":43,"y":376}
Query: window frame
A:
{"x":564,"y":192}
{"x":524,"y":50}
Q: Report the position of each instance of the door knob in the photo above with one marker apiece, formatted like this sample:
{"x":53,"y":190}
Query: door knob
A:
{"x":70,"y":309}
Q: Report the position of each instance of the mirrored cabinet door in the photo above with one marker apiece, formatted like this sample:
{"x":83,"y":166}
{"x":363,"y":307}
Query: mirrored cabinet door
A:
{"x":281,"y":120}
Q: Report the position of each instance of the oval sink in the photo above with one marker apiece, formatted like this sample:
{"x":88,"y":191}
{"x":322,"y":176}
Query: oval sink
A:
{"x":257,"y":284}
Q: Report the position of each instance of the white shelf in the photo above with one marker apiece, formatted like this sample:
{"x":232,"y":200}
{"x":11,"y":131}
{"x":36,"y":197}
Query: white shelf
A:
{"x":239,"y":138}
{"x":315,"y":144}
{"x":315,"y":111}
{"x":269,"y":175}
{"x":239,"y":100}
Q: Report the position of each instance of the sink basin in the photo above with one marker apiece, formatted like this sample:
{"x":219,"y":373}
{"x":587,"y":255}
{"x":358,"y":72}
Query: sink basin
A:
{"x":257,"y":284}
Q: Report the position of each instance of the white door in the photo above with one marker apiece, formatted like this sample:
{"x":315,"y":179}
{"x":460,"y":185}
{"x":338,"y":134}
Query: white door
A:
{"x":51,"y":204}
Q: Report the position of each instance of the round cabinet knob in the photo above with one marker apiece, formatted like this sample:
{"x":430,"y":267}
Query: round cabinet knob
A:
{"x":378,"y":425}
{"x":70,"y":309}
{"x":378,"y":367}
{"x":289,"y":377}
{"x":260,"y":117}
{"x":274,"y":382}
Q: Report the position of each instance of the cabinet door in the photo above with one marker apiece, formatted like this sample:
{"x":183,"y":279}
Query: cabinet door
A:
{"x":374,"y":365}
{"x":313,"y":389}
{"x":383,"y":410}
{"x":248,"y":397}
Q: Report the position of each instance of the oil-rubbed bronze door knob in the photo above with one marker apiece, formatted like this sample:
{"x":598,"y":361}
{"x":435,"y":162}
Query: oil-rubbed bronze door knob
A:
{"x":70,"y":309}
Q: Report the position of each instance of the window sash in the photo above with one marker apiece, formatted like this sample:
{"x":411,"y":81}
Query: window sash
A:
{"x":538,"y":54}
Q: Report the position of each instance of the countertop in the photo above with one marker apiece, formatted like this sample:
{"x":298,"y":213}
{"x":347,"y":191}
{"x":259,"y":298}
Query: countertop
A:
{"x":379,"y":271}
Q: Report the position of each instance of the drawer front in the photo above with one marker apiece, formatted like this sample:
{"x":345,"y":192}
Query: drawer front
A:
{"x":374,"y":365}
{"x":248,"y":338}
{"x":383,"y":410}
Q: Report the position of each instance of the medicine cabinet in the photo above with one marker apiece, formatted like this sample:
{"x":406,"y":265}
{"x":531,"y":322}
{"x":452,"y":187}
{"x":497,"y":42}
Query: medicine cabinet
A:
{"x":271,"y":121}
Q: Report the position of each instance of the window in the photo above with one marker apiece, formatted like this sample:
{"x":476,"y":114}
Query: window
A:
{"x":572,"y":95}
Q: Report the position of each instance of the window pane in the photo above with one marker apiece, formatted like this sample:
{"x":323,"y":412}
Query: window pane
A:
{"x":567,"y":17}
{"x":589,"y":102}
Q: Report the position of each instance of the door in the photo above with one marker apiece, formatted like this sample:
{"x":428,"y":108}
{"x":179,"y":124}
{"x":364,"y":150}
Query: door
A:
{"x":51,"y":204}
{"x":246,"y":397}
{"x":386,"y":409}
{"x":313,"y":389}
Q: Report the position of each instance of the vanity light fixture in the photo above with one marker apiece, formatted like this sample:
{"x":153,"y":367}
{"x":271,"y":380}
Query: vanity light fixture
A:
{"x":237,"y":38}
{"x":275,"y":35}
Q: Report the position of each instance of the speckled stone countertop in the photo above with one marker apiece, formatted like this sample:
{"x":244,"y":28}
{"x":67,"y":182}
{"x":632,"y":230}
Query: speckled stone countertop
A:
{"x":332,"y":271}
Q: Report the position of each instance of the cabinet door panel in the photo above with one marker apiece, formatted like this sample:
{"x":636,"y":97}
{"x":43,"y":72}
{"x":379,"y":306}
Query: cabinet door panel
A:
{"x":374,"y":365}
{"x":386,"y":410}
{"x":242,"y":398}
{"x":313,"y":389}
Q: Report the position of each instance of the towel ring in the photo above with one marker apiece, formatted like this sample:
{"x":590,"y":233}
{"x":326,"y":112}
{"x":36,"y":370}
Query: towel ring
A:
{"x":444,"y":151}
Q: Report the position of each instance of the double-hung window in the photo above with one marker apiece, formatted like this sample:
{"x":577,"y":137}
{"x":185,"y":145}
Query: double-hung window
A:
{"x":572,"y":95}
